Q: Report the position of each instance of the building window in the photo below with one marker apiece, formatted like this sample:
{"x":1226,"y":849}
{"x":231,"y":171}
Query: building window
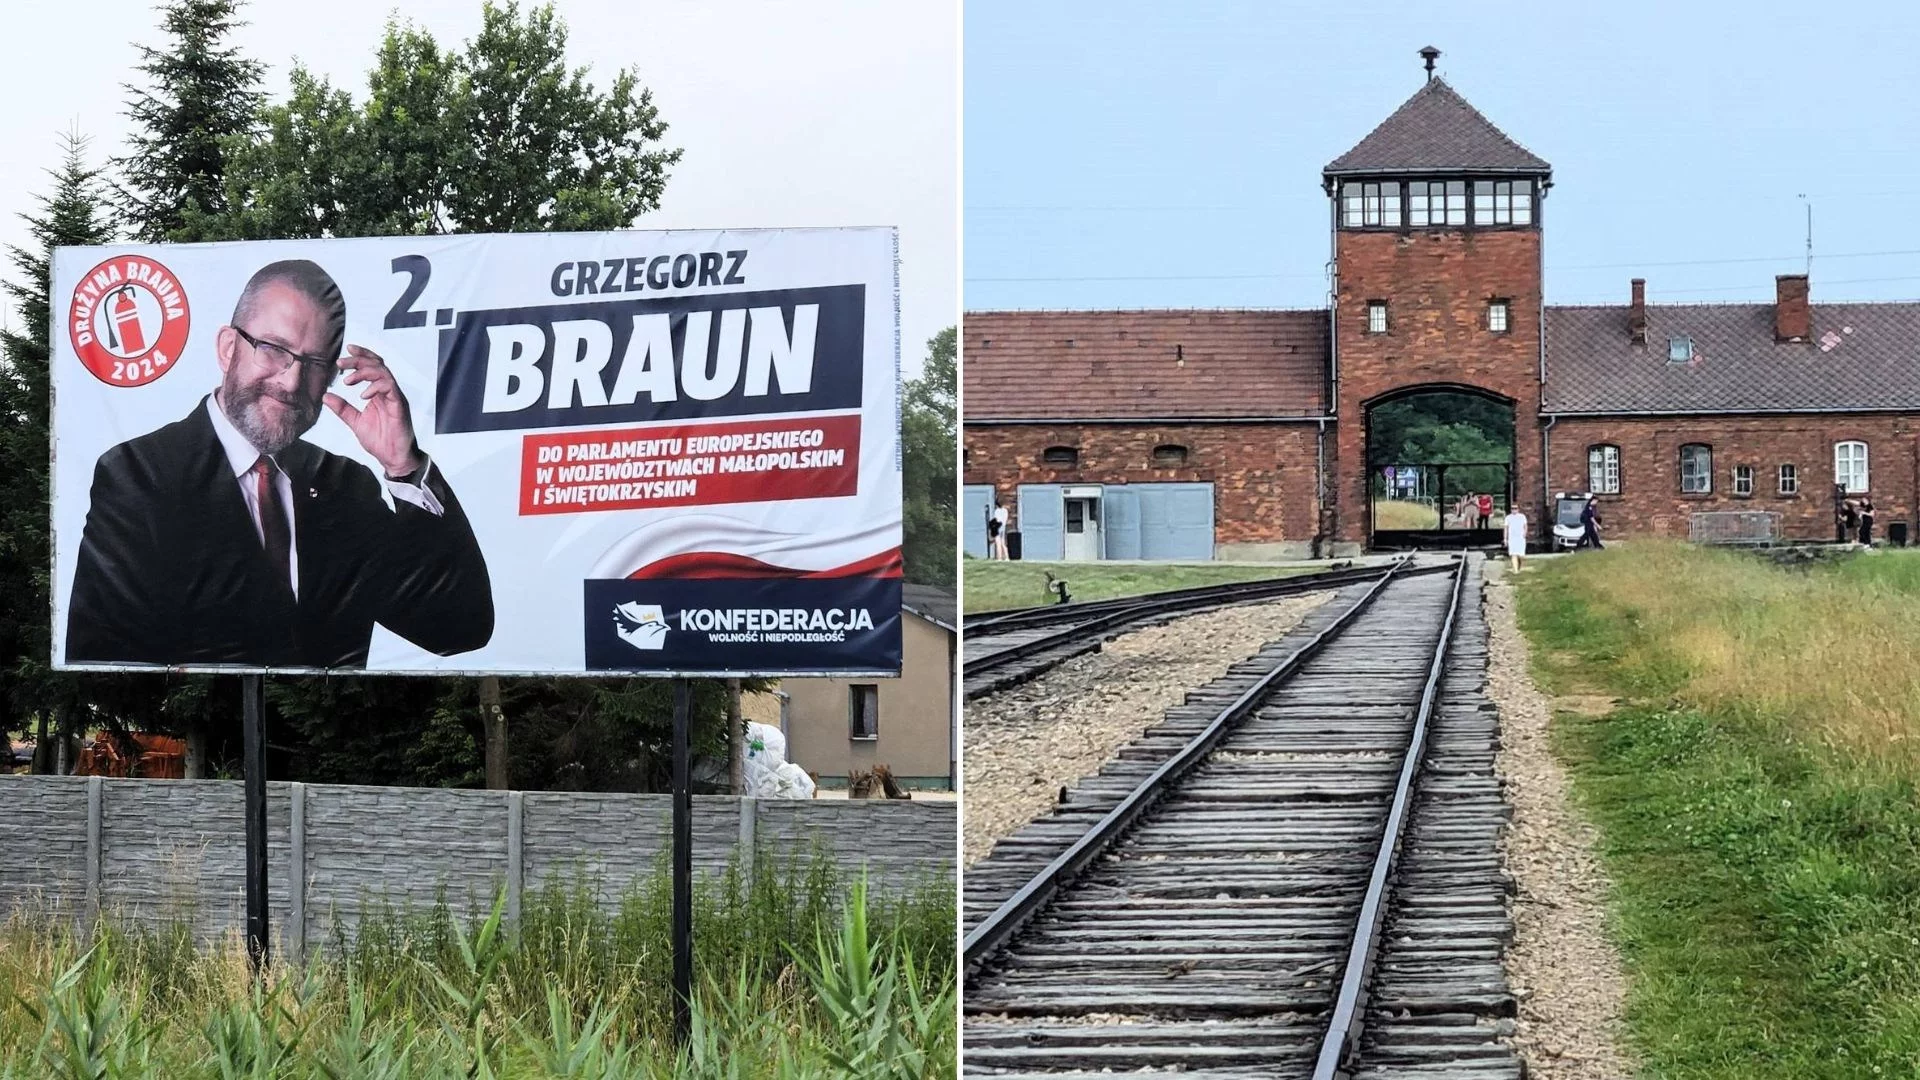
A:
{"x":1503,"y":202}
{"x":863,"y":711}
{"x":1696,"y":469}
{"x":1169,"y":456}
{"x":1437,"y":202}
{"x":1370,"y":205}
{"x":1603,"y":469}
{"x":1850,"y":466}
{"x":1060,"y":457}
{"x":1789,"y":480}
{"x":1679,"y":349}
{"x":1376,"y":316}
{"x":1743,"y":479}
{"x":1497,"y":316}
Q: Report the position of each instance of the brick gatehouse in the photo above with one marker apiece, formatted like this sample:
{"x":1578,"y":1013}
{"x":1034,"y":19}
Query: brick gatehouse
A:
{"x":1208,"y":433}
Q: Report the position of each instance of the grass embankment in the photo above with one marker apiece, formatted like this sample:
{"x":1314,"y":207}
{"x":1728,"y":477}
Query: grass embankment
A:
{"x":800,"y":975}
{"x":1755,"y":790}
{"x":991,"y":585}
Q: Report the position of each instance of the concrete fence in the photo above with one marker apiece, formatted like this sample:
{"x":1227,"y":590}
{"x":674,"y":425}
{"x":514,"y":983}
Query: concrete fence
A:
{"x":173,"y":850}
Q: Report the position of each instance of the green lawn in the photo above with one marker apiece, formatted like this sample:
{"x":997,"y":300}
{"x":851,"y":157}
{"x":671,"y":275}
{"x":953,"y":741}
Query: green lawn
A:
{"x":1756,"y":799}
{"x":991,"y":585}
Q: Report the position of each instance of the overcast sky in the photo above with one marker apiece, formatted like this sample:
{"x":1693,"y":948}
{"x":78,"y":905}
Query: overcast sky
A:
{"x":842,"y":113}
{"x":1136,"y":153}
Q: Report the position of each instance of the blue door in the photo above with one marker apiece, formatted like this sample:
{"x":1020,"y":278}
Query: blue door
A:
{"x":1120,"y":506}
{"x":1042,"y":530}
{"x":1176,"y":521}
{"x":976,"y":501}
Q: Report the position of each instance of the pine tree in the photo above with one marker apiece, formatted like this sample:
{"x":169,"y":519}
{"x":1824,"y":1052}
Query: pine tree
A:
{"x":74,"y":213}
{"x":202,"y":93}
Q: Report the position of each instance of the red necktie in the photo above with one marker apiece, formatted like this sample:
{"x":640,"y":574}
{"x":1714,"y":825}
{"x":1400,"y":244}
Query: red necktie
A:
{"x":273,"y":518}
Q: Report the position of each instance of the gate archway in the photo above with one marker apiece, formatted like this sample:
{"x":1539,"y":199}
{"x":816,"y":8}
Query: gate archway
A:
{"x":1432,"y":448}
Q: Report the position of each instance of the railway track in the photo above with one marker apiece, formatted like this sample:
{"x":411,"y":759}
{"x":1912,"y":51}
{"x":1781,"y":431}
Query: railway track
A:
{"x":1295,"y":875}
{"x":1004,"y":648}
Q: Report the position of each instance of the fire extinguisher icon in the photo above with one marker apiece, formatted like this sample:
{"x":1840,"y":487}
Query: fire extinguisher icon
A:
{"x":124,"y":317}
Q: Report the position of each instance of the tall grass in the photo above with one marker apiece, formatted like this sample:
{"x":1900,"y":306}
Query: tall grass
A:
{"x":1757,"y":800}
{"x":1404,"y":514}
{"x":802,"y":973}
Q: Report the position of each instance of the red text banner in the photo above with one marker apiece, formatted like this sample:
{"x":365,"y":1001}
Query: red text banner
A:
{"x":690,"y":465}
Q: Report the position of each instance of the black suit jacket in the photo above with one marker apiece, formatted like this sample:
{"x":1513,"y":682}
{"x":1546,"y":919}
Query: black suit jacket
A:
{"x":171,"y":570}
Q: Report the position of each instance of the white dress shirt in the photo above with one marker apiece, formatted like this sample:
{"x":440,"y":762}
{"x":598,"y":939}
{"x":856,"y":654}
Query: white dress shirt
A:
{"x":242,"y":454}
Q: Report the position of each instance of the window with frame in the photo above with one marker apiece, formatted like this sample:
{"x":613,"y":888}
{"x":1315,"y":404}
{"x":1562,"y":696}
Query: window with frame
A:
{"x":1497,"y":316}
{"x":1060,"y":457}
{"x":1603,"y":469}
{"x":1679,"y":349}
{"x":1743,"y":479}
{"x":863,"y":711}
{"x":1789,"y":480}
{"x":1696,"y":469}
{"x":1503,"y":202}
{"x":1850,"y":466}
{"x":1437,"y":202}
{"x":1370,"y":204}
{"x":1376,"y":316}
{"x":1170,"y":456}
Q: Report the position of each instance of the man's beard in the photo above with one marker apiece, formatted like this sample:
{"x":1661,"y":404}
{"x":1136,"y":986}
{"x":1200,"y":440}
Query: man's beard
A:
{"x":267,"y":434}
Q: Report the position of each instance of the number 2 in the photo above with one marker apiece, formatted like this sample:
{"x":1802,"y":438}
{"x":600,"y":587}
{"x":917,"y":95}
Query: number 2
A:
{"x":402,"y":314}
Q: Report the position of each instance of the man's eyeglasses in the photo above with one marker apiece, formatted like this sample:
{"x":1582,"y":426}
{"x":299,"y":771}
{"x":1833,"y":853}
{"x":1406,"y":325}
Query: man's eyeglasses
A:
{"x":279,"y":357}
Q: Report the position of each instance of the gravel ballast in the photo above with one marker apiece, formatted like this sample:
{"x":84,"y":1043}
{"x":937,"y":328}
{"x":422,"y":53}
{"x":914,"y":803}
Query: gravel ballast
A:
{"x":1564,"y":972}
{"x":1026,"y":742}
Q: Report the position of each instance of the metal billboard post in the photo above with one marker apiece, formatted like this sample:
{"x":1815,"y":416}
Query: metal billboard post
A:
{"x":253,"y":693}
{"x":682,"y":864}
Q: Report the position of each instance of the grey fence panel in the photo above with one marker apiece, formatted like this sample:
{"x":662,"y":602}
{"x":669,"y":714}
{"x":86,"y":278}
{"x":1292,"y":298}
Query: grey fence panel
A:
{"x":402,"y":846}
{"x":43,"y":843}
{"x":617,"y":840}
{"x":901,"y":843}
{"x":175,"y":850}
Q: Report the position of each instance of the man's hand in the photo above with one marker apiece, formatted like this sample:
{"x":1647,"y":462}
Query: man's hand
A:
{"x":382,"y":423}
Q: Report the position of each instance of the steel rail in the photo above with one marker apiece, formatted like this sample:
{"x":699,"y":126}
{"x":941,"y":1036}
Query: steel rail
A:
{"x":1100,"y":625}
{"x":996,"y":929}
{"x":1023,"y":618}
{"x":1344,"y":1025}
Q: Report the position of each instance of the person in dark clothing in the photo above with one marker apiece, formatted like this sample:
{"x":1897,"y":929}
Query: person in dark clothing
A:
{"x":1865,"y":514}
{"x":1590,"y":524}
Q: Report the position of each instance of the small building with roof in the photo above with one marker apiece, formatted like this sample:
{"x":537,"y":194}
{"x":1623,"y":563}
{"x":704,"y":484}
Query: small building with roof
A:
{"x":1190,"y":434}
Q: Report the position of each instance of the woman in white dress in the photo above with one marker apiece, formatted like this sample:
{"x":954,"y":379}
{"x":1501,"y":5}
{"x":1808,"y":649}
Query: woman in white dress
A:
{"x":1516,"y":529}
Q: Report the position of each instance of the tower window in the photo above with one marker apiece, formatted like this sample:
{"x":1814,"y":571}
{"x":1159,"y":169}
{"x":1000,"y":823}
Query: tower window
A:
{"x":1497,"y":316}
{"x":1503,"y":202}
{"x":1376,"y":316}
{"x":1060,"y":457}
{"x":1364,"y":205}
{"x":1696,"y":469}
{"x":1437,"y":202}
{"x":1679,"y":349}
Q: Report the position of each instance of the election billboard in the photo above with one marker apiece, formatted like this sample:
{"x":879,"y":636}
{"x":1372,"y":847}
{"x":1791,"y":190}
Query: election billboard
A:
{"x":669,"y":453}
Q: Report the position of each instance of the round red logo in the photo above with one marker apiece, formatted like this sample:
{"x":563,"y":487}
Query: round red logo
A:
{"x":128,"y":320}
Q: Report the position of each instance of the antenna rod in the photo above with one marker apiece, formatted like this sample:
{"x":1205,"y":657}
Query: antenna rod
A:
{"x":1809,"y":203}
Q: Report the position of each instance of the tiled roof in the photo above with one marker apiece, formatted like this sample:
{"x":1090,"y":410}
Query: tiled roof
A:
{"x":1860,"y":357}
{"x":934,"y":604}
{"x":1436,"y":131}
{"x":1076,"y":365}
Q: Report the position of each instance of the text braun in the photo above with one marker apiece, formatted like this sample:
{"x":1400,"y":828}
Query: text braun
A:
{"x":754,"y":351}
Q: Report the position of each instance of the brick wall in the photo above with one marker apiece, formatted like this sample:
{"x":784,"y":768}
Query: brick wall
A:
{"x":1650,"y":502}
{"x":1437,"y":284}
{"x":1263,"y":474}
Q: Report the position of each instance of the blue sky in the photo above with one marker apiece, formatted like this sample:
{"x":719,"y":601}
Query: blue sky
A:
{"x":1124,"y":154}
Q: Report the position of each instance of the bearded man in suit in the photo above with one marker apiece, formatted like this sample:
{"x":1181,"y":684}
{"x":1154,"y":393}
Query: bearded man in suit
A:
{"x":224,"y":538}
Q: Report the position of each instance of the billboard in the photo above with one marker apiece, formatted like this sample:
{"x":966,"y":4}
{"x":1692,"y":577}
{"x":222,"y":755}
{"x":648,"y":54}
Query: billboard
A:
{"x":670,"y":453}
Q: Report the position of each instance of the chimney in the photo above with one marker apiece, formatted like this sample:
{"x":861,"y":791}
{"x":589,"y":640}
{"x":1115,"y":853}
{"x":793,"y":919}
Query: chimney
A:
{"x":1792,"y":318}
{"x":1637,"y":314}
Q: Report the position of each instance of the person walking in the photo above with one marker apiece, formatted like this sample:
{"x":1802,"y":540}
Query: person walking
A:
{"x":1516,"y":532}
{"x":997,"y":530}
{"x":1590,"y":526}
{"x":1865,"y":514}
{"x":1483,"y":503}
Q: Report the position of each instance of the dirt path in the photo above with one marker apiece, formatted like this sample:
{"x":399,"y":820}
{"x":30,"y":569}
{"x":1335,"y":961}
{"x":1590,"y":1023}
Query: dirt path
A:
{"x":1026,"y":742}
{"x":1561,"y":966}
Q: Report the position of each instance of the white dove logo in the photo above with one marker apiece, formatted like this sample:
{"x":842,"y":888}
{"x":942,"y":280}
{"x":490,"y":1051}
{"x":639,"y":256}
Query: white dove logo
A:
{"x":643,"y":626}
